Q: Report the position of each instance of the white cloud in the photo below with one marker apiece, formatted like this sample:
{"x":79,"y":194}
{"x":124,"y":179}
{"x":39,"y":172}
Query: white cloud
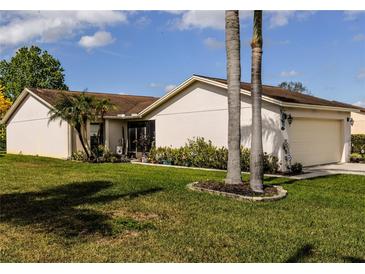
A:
{"x":154,"y":85}
{"x":358,"y":37}
{"x":360,"y":103}
{"x":20,"y":27}
{"x":200,"y":19}
{"x":351,"y":15}
{"x":99,"y":39}
{"x":290,"y":73}
{"x":215,"y":19}
{"x":213,"y":43}
{"x":142,"y":21}
{"x":361,"y":74}
{"x":282,"y":18}
{"x":169,"y":87}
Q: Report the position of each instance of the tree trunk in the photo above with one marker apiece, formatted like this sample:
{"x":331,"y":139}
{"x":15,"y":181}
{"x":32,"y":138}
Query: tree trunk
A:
{"x":85,"y":139}
{"x":256,"y":158}
{"x":234,"y":102}
{"x":79,"y":131}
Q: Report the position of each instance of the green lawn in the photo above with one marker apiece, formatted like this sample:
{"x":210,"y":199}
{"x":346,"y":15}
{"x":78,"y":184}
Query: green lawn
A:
{"x":62,"y":211}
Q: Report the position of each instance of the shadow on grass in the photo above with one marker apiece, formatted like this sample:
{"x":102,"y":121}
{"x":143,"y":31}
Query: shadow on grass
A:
{"x":300,"y":254}
{"x":56,"y":210}
{"x":354,"y":259}
{"x":286,"y":181}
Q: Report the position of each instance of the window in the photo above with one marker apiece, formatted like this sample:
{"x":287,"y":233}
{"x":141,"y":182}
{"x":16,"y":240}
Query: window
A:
{"x":96,"y":135}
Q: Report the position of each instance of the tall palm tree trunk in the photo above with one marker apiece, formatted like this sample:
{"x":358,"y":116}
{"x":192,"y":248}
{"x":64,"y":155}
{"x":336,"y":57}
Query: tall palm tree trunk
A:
{"x":234,"y":102}
{"x":256,"y":158}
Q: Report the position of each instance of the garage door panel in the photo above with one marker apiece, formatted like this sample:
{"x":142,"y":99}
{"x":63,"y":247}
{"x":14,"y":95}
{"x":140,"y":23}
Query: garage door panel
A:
{"x":315,"y":141}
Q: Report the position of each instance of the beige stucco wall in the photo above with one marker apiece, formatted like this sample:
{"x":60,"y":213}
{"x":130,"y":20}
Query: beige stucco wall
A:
{"x":114,"y":132}
{"x":30,"y":132}
{"x":201,"y":111}
{"x":359,"y":123}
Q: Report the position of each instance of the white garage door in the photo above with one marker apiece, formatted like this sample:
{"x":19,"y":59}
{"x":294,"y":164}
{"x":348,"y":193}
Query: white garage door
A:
{"x":315,"y":142}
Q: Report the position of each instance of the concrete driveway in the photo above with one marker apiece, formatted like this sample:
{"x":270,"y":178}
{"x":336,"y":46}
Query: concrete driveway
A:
{"x":344,"y":168}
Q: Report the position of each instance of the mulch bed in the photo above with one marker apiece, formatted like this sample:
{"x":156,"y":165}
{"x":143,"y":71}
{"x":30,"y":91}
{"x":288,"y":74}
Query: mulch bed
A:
{"x":240,"y":189}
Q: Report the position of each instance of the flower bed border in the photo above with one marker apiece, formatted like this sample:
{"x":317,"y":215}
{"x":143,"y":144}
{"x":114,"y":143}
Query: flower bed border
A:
{"x":282,"y":193}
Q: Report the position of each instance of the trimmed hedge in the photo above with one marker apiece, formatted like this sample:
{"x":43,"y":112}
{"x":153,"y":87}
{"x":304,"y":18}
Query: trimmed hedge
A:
{"x":358,"y":143}
{"x":201,"y":153}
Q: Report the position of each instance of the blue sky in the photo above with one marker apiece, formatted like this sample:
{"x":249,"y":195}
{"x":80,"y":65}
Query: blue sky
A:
{"x":148,"y":52}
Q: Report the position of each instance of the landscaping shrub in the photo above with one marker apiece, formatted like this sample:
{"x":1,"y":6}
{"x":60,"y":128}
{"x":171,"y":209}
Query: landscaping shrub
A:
{"x":296,"y":168}
{"x":201,"y":153}
{"x":271,"y":163}
{"x":357,"y":158}
{"x":245,"y":159}
{"x":358,"y":143}
{"x":101,"y":154}
{"x":79,"y":156}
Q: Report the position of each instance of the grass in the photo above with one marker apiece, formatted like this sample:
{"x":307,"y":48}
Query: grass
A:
{"x":62,"y":211}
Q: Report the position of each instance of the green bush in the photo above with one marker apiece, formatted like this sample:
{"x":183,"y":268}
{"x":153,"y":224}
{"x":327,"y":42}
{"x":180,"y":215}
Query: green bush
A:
{"x":79,"y":156}
{"x":201,"y":153}
{"x":357,"y":158}
{"x":101,"y":154}
{"x":358,"y":143}
{"x":296,"y":168}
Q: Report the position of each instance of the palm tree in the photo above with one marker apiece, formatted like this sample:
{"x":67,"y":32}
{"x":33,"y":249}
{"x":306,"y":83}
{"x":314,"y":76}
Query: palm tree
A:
{"x":234,"y":102}
{"x":256,"y":158}
{"x":102,"y":106}
{"x":77,"y":110}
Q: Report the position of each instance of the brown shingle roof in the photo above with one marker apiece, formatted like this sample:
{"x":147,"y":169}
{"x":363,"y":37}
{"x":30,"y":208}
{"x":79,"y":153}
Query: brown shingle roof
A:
{"x":124,"y":104}
{"x":285,"y":95}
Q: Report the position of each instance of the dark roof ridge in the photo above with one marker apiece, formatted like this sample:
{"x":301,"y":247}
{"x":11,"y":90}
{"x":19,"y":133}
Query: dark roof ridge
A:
{"x":286,"y":95}
{"x":93,"y":92}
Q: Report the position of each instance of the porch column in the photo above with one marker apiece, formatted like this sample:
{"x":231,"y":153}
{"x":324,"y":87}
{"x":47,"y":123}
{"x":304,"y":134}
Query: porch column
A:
{"x":347,"y":141}
{"x":107,"y":136}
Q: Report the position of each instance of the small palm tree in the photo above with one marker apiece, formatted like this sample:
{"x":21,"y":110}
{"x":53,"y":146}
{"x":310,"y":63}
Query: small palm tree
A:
{"x":102,"y":106}
{"x":77,"y":110}
{"x":234,"y":100}
{"x":256,"y":158}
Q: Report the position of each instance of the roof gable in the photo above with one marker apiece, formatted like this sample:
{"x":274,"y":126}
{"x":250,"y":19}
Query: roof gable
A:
{"x":275,"y":95}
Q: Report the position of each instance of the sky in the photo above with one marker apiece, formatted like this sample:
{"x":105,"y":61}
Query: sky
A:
{"x":150,"y":52}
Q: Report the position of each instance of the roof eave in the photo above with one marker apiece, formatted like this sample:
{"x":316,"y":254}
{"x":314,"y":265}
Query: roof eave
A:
{"x":319,"y":107}
{"x":195,"y":78}
{"x":14,"y":106}
{"x":116,"y":117}
{"x":19,"y":100}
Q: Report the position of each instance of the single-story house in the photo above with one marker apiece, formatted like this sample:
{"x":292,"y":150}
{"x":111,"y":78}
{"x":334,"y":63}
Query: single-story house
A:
{"x":296,"y":127}
{"x":358,"y":122}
